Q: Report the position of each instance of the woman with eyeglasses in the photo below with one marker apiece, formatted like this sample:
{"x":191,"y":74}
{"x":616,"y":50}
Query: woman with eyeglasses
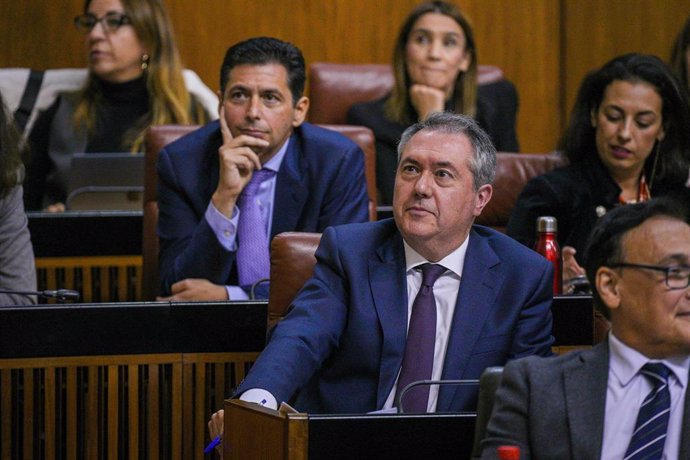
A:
{"x":435,"y":70}
{"x":135,"y":80}
{"x":627,"y":142}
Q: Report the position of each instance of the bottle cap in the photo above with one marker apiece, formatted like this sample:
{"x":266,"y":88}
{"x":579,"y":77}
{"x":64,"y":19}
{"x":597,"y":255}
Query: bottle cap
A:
{"x":547,"y":224}
{"x":508,"y":452}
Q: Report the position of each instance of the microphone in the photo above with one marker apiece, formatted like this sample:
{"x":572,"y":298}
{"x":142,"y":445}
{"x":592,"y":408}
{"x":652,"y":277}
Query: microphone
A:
{"x":60,"y":294}
{"x":417,"y":383}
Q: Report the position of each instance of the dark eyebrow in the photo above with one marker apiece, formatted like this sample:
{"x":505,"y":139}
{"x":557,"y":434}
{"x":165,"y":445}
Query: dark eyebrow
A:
{"x":679,"y":258}
{"x":637,"y":114}
{"x":431,"y":32}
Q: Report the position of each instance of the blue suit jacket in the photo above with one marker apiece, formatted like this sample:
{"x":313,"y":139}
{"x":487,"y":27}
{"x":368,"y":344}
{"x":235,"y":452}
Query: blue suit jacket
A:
{"x":342,"y":343}
{"x":320,"y":183}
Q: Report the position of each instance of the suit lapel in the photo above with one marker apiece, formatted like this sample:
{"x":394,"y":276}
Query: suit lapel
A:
{"x":292,"y":190}
{"x":388,"y":285}
{"x":480,"y":282}
{"x":585,"y":383}
{"x":685,"y":428}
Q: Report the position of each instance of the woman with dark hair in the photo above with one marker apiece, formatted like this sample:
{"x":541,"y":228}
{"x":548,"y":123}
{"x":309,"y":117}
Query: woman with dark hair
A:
{"x":627,"y":141}
{"x":135,"y":80}
{"x":17,"y":272}
{"x":680,"y":55}
{"x":435,"y":70}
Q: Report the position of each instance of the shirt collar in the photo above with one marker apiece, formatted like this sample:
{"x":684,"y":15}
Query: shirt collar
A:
{"x":274,"y":163}
{"x":454,"y":261}
{"x":625,"y":362}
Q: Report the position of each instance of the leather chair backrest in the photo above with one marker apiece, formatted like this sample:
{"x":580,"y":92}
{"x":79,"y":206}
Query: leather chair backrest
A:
{"x":488,"y":384}
{"x":334,"y":88}
{"x":292,"y":264}
{"x":364,"y":138}
{"x":513,"y":171}
{"x":14,"y":80}
{"x":158,"y":137}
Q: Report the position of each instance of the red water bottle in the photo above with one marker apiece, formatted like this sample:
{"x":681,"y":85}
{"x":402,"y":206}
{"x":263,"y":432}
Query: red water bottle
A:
{"x":547,"y":246}
{"x":508,"y":452}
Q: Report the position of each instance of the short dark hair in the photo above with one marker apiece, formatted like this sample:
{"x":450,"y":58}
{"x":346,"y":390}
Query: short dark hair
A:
{"x":604,"y":247}
{"x":267,"y":50}
{"x":483,"y":162}
{"x":579,"y":141}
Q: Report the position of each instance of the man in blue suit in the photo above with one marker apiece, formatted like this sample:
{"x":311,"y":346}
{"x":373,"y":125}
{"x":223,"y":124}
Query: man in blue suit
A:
{"x":307,"y":178}
{"x":342,"y":346}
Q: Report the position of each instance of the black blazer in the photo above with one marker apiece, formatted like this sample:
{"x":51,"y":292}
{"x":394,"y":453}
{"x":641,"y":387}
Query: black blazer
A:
{"x":497,"y":105}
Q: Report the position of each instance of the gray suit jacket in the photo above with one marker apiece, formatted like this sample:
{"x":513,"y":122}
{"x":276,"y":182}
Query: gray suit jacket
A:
{"x":554,"y":408}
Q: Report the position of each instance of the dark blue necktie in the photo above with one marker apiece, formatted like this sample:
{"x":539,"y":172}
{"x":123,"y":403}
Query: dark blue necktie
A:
{"x":649,"y":436}
{"x":253,"y":263}
{"x":418,"y":361}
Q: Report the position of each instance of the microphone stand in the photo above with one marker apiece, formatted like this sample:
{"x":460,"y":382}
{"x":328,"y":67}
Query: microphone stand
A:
{"x":430,"y":382}
{"x":61,"y":295}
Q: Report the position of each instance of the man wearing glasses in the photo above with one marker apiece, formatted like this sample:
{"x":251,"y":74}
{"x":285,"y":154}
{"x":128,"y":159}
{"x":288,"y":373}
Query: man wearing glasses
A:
{"x":626,"y":397}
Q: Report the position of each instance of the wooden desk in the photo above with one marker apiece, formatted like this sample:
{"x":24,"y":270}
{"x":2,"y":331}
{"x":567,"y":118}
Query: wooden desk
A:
{"x":97,"y":253}
{"x":133,"y":380}
{"x":254,"y":432}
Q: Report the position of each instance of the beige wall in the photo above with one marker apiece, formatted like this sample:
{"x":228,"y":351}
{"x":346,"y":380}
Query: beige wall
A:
{"x":544,"y":46}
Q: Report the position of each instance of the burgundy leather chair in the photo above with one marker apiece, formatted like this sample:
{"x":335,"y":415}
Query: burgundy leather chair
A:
{"x":513,"y":171}
{"x":334,"y":88}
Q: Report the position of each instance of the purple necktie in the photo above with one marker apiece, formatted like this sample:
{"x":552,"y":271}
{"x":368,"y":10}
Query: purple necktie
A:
{"x":253,"y":263}
{"x":418,"y":361}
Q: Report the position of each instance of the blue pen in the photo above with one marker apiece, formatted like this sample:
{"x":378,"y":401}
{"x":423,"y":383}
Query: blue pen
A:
{"x":217,"y":440}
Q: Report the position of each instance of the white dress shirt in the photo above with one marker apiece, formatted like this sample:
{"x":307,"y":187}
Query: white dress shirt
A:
{"x":626,"y":390}
{"x":445,"y":293}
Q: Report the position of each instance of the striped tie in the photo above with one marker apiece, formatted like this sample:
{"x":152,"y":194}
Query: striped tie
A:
{"x":648,"y":439}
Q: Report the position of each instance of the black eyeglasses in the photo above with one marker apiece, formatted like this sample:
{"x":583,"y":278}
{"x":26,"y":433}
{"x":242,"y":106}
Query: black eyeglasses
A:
{"x":111,"y":22}
{"x":677,"y":276}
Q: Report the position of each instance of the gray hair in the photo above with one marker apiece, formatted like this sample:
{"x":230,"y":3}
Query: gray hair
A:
{"x":483,"y":162}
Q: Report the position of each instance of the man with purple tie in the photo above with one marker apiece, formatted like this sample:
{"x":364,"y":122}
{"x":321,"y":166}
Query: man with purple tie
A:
{"x":344,"y":346}
{"x":227,"y":188}
{"x":627,"y":397}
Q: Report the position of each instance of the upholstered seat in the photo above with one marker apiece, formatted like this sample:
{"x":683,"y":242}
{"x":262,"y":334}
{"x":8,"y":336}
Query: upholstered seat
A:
{"x":334,"y":88}
{"x":55,"y":81}
{"x":513,"y":171}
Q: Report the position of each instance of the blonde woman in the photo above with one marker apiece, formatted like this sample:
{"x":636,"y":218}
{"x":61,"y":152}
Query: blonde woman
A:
{"x":135,"y":80}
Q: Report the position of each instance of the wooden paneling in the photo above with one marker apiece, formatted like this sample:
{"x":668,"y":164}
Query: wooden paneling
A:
{"x":543,"y":46}
{"x":597,"y":31}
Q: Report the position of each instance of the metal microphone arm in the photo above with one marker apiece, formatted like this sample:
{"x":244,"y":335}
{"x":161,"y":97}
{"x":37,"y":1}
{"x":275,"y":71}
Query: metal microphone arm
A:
{"x":60,"y":294}
{"x":430,"y":382}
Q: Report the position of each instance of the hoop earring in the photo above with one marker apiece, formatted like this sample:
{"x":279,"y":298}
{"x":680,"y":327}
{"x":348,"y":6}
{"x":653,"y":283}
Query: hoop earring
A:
{"x":145,"y":58}
{"x":656,"y":160}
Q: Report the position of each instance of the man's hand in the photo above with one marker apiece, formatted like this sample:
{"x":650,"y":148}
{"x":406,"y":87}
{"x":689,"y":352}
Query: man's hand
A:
{"x":571,"y":268}
{"x":238,"y":161}
{"x":215,"y":428}
{"x":55,"y":207}
{"x":427,"y":100}
{"x":196,"y":289}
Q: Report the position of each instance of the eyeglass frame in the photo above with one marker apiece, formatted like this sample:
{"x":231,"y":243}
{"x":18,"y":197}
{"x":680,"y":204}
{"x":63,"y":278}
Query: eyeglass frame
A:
{"x":120,"y":19}
{"x":660,"y":268}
